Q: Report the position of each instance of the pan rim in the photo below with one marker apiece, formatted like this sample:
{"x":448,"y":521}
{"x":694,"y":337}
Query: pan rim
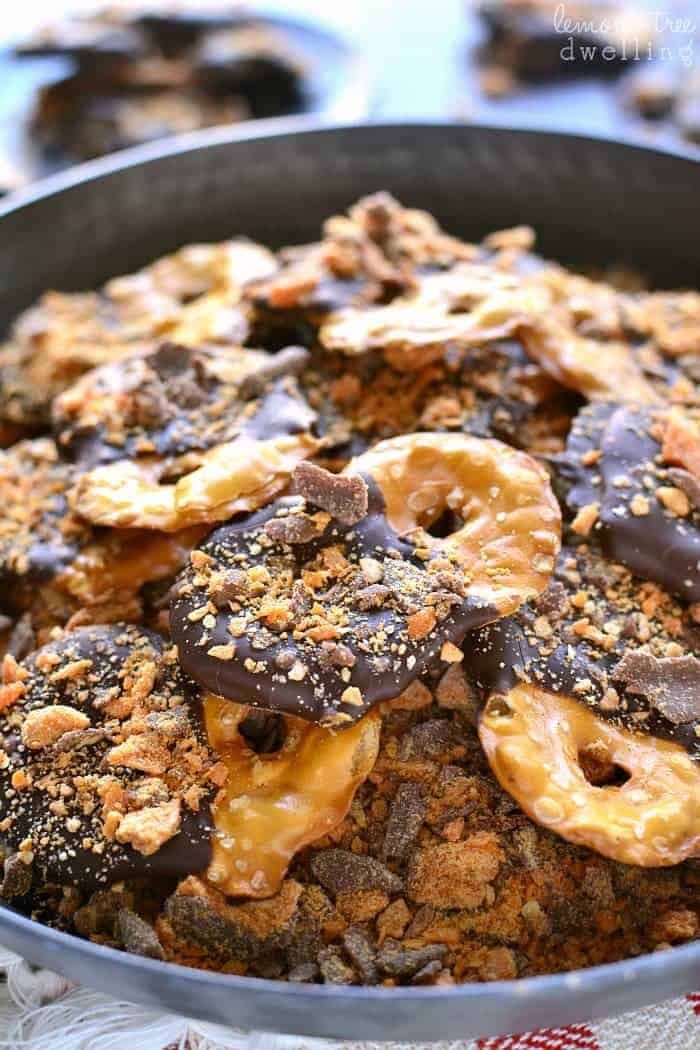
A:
{"x":298,"y":125}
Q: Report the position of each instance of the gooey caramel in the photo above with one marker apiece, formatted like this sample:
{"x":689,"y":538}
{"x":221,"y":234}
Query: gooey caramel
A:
{"x":274,"y":804}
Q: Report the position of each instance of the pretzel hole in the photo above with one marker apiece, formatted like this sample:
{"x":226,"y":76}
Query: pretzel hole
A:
{"x":598,"y":768}
{"x":497,"y":706}
{"x":264,"y":731}
{"x":447,"y":522}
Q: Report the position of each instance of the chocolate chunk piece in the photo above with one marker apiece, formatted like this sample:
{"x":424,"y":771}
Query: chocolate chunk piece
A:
{"x":287,"y":362}
{"x":229,"y":586}
{"x":305,"y":973}
{"x":361,"y":954}
{"x":344,"y":497}
{"x":340,"y":871}
{"x":173,"y":723}
{"x":405,"y":962}
{"x":196,"y":922}
{"x":204,"y":919}
{"x":99,"y":915}
{"x":372,"y":597}
{"x":79,"y":738}
{"x":671,"y":685}
{"x":293,"y":528}
{"x":435,"y":739}
{"x":333,"y":969}
{"x":137,"y":936}
{"x":405,"y":819}
{"x":17,"y":877}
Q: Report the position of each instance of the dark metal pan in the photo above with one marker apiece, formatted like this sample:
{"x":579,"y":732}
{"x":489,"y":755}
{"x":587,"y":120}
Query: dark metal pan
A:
{"x":591,"y":201}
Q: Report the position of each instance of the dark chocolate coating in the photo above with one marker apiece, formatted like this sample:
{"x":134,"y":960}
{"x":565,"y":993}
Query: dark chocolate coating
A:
{"x":40,"y":537}
{"x":656,"y":545}
{"x":63,"y":859}
{"x":503,"y":654}
{"x":183,"y":407}
{"x":379,"y":673}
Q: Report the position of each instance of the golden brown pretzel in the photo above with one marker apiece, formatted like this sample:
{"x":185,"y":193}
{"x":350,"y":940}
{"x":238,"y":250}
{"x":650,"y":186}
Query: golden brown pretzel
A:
{"x":601,"y":372}
{"x":121,"y":562}
{"x":533,"y":740}
{"x":272,"y":805}
{"x":452,"y":310}
{"x":240,"y":475}
{"x":510,"y":533}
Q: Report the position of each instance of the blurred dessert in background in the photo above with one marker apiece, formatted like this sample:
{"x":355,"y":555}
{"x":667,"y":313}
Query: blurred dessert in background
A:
{"x":531,"y":44}
{"x":142,"y":75}
{"x":540,"y":38}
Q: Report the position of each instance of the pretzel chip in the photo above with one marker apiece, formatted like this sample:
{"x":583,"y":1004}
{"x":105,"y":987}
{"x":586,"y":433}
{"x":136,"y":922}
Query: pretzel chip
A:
{"x":508,"y":539}
{"x":55,"y":563}
{"x":238,"y":476}
{"x":272,"y":805}
{"x":168,"y":401}
{"x":579,"y":336}
{"x":366,"y":256}
{"x":191,"y":297}
{"x":536,"y":743}
{"x":235,"y":461}
{"x":322,"y":609}
{"x":449,"y":313}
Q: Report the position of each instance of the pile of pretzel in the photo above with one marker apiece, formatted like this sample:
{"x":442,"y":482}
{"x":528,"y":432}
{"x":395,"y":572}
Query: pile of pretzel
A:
{"x":298,"y":483}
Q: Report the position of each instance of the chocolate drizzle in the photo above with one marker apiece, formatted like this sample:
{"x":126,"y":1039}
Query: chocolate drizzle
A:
{"x":613,"y":460}
{"x":299,"y":667}
{"x":55,"y":797}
